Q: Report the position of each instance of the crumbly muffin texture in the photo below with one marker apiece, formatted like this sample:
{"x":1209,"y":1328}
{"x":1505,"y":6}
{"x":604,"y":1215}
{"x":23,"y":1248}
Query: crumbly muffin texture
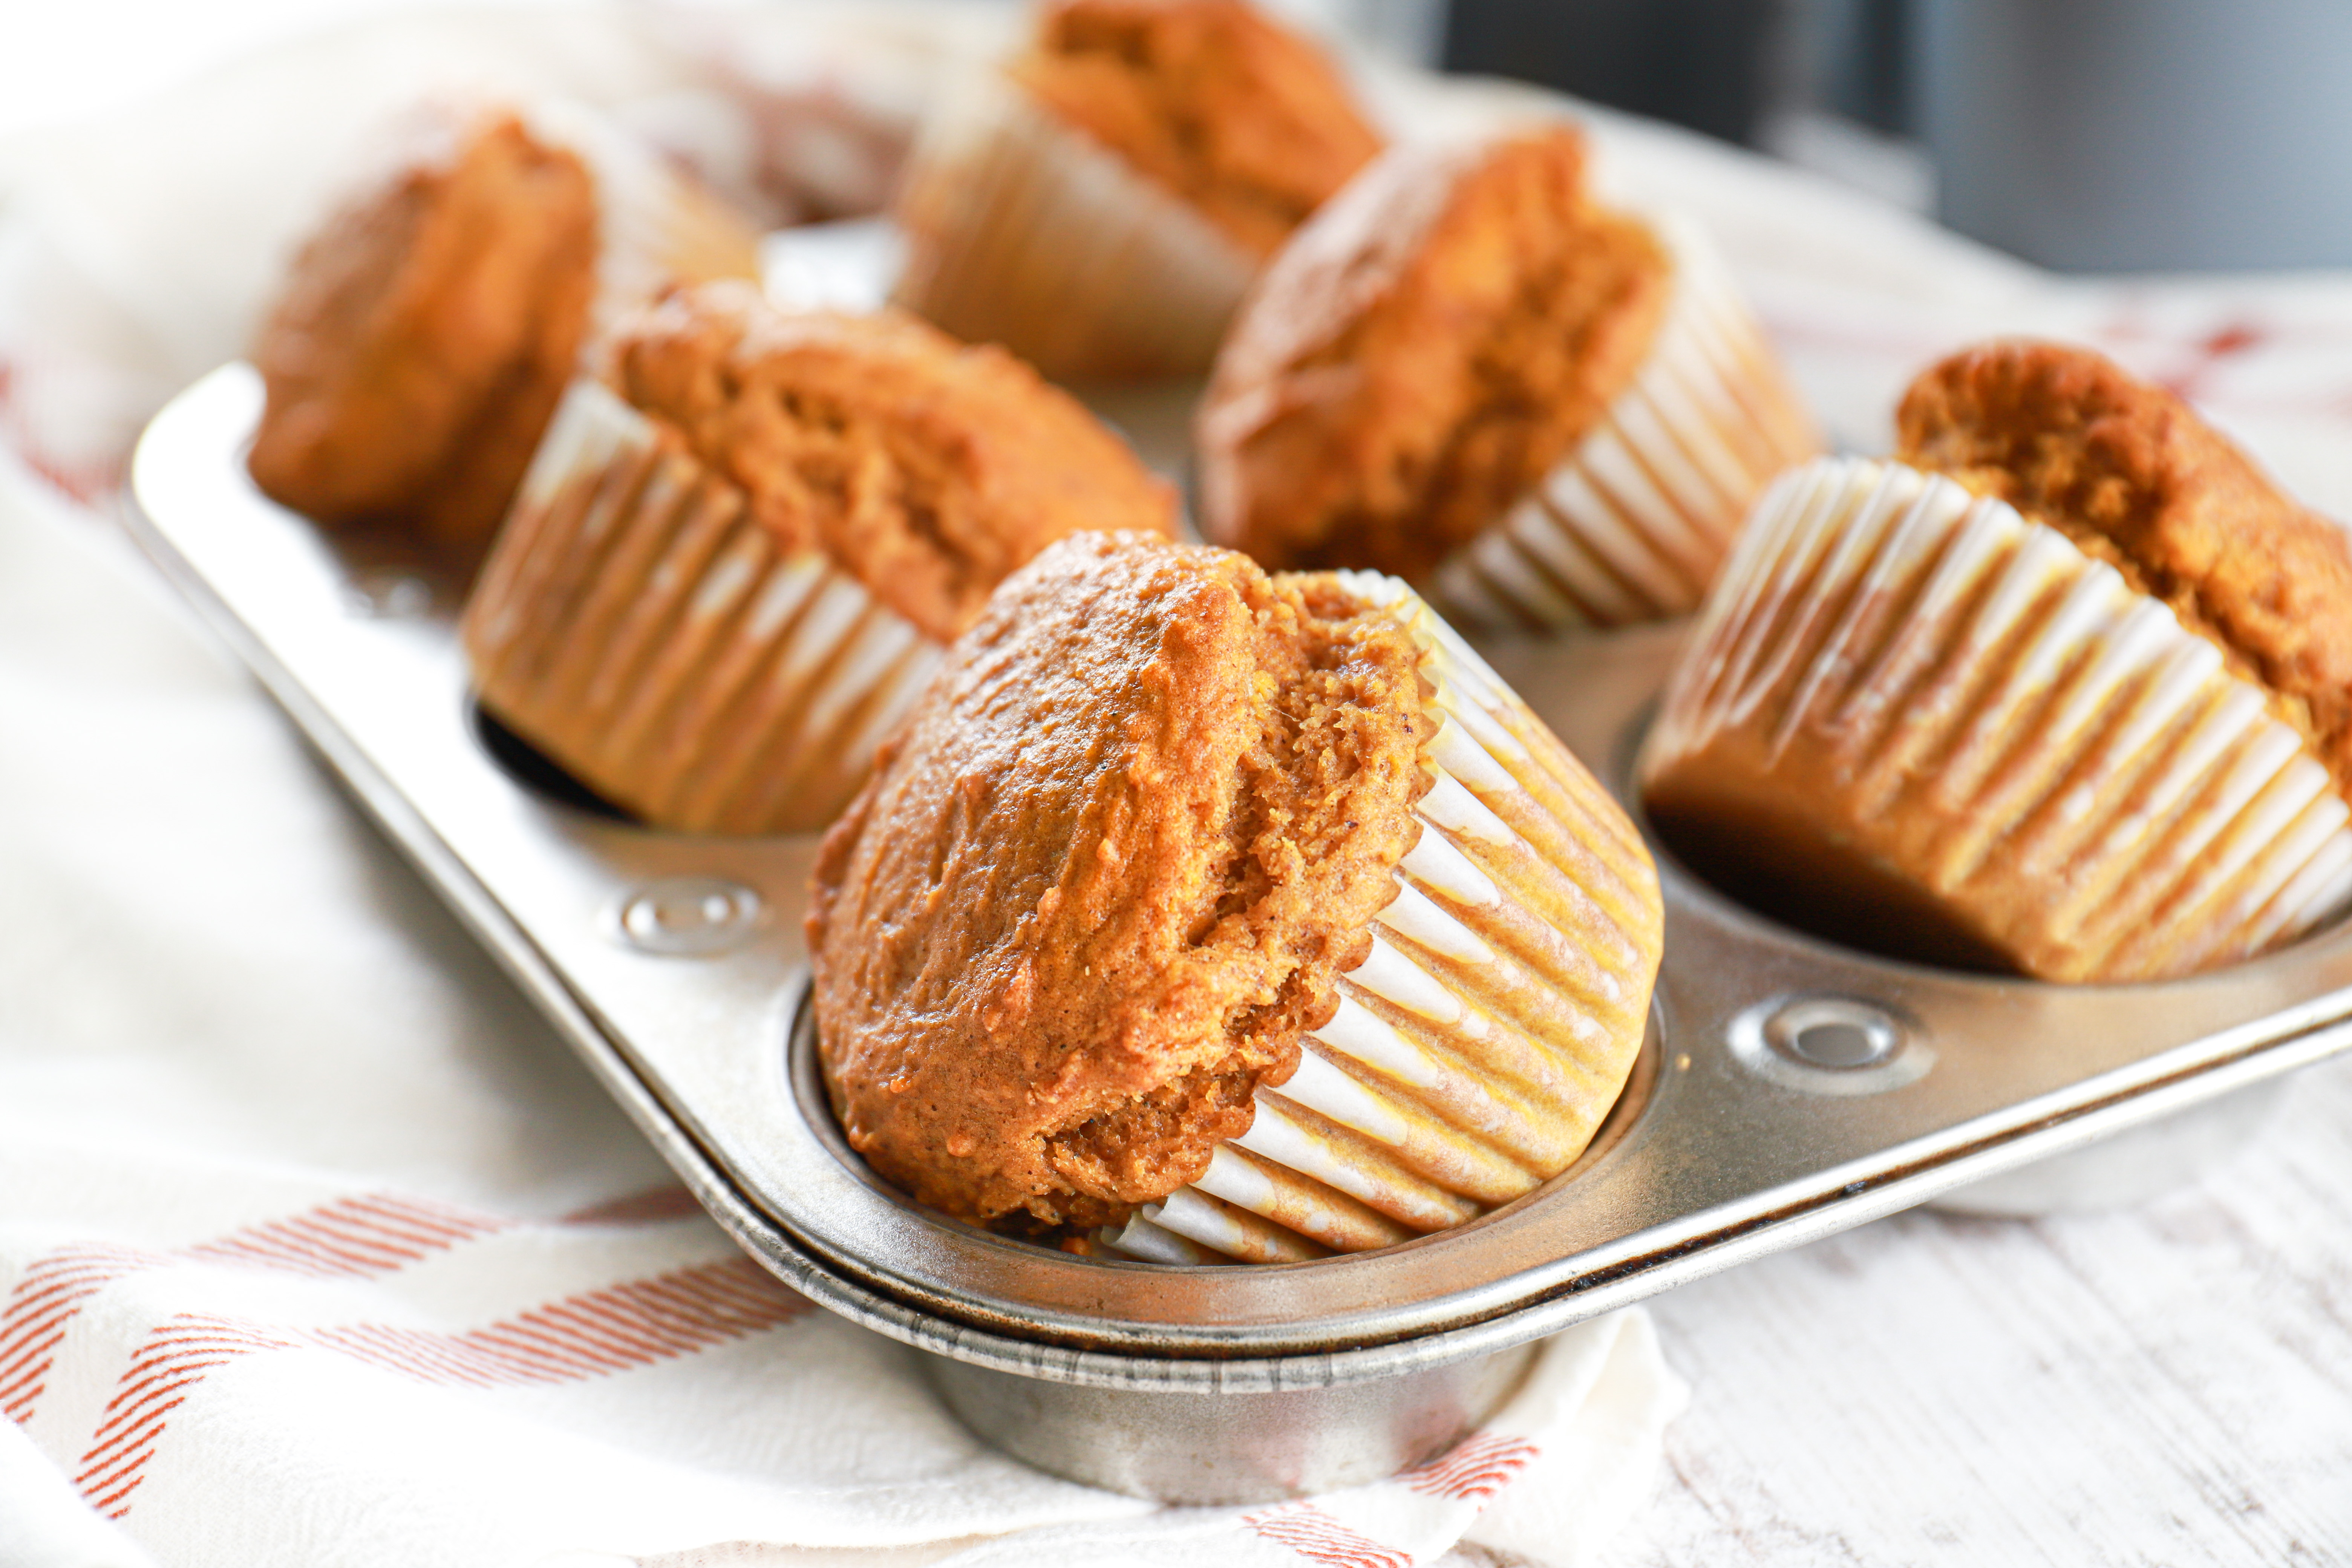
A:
{"x":1109,"y":873}
{"x":1431,"y":345}
{"x":1248,"y":123}
{"x":425,"y":334}
{"x":2130,"y":473}
{"x":928,"y":469}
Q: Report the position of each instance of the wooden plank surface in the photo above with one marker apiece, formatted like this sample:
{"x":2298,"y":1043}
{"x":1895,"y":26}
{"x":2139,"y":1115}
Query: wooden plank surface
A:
{"x":2166,"y":1384}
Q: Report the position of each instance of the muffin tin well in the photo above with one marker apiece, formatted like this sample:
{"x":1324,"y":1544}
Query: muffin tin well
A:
{"x":1799,"y":1088}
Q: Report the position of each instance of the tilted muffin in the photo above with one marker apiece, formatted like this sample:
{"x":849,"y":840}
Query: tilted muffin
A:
{"x":2066,"y":689}
{"x":1247,"y":122}
{"x":1255,"y":906}
{"x":724,"y":581}
{"x":1100,"y":206}
{"x":2133,"y":476}
{"x":425,"y":333}
{"x":1468,"y":372}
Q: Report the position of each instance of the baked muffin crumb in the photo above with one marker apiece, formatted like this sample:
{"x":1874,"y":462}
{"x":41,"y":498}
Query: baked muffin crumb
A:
{"x":1248,"y":123}
{"x":1108,"y":874}
{"x":928,"y":467}
{"x":1425,"y":352}
{"x":426,"y":332}
{"x":2129,"y":472}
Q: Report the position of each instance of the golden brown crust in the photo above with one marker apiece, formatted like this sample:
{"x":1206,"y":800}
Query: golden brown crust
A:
{"x":425,"y":334}
{"x":928,"y":469}
{"x":1431,"y":345}
{"x":1247,"y":122}
{"x":2131,"y":474}
{"x":1108,"y":874}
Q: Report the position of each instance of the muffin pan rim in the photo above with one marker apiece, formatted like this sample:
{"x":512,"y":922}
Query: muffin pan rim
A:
{"x":272,"y":589}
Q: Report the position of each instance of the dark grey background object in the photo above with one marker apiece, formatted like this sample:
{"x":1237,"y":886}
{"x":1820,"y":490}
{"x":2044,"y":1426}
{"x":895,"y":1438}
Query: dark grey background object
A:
{"x":2085,"y":135}
{"x":1698,"y":63}
{"x":2129,"y":135}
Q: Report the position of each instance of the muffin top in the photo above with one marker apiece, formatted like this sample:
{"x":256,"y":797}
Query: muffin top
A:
{"x":2129,"y":472}
{"x":1107,"y":873}
{"x":1248,"y":123}
{"x":426,"y":332}
{"x":927,"y":469}
{"x":1428,"y":345}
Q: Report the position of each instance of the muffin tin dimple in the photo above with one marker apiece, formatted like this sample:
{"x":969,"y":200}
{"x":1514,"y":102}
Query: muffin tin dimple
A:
{"x":1799,"y":1088}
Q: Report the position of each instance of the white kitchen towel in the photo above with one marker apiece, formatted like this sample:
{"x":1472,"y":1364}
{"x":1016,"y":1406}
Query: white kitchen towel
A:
{"x":316,"y":1249}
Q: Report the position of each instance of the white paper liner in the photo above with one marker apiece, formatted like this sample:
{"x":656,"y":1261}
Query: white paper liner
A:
{"x":2002,"y":721}
{"x":654,"y":226}
{"x":1024,"y":231}
{"x":1477,"y":1049}
{"x":1634,"y":524}
{"x":638,"y":626}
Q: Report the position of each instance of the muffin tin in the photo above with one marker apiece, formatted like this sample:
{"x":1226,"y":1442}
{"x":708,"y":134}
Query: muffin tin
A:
{"x":1790,"y":1089}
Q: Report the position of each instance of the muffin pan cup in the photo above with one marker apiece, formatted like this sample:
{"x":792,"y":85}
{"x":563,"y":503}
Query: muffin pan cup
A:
{"x":1486,"y":1036}
{"x":1994,"y":713}
{"x":1633,"y":524}
{"x":1021,"y":230}
{"x":1798,"y":1088}
{"x":636,"y":623}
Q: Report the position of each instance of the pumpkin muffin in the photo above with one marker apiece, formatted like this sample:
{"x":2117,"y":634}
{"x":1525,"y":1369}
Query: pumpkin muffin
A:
{"x":424,"y":335}
{"x":1099,"y":205}
{"x":1248,"y":123}
{"x":1251,"y":905}
{"x":2131,"y":474}
{"x":729,"y":572}
{"x":2062,"y":689}
{"x":1470,"y":372}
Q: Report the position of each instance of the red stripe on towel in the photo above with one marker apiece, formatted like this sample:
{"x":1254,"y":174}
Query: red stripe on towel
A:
{"x":354,"y":1238}
{"x":655,"y":1206}
{"x":1474,"y":1469}
{"x":349,"y":1238}
{"x":1318,"y":1537}
{"x":599,"y":1333}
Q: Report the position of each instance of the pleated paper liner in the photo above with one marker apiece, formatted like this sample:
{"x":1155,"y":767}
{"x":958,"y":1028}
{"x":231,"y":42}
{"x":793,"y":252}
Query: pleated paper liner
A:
{"x":638,"y":624}
{"x":1024,"y":231}
{"x":655,"y":227}
{"x":1492,"y":1028}
{"x":1998,"y":719}
{"x":1634,"y":524}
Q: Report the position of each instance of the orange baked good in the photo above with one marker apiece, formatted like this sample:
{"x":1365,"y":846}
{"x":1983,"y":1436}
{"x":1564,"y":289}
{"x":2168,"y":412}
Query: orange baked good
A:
{"x":1135,"y":939}
{"x":2129,"y":472}
{"x":1137,"y":885}
{"x":1425,"y":355}
{"x":425,"y":333}
{"x":1244,"y":120}
{"x":721,"y":587}
{"x":1437,"y":358}
{"x":926,"y":467}
{"x":1099,"y":204}
{"x":2054,"y":692}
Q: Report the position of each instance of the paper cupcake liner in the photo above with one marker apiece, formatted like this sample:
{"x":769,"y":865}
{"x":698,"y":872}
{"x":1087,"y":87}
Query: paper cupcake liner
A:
{"x":2002,"y":721}
{"x":1634,"y":524}
{"x":655,"y":226}
{"x":1477,"y":1049}
{"x":1021,"y":230}
{"x":638,"y":626}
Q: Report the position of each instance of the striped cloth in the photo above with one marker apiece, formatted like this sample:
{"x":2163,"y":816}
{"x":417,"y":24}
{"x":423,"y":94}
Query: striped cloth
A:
{"x":317,"y":1247}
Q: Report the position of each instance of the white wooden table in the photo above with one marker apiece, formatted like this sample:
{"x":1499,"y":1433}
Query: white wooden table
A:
{"x":2169,"y":1383}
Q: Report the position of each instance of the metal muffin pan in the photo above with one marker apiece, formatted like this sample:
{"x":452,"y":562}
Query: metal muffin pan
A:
{"x":1792,"y":1090}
